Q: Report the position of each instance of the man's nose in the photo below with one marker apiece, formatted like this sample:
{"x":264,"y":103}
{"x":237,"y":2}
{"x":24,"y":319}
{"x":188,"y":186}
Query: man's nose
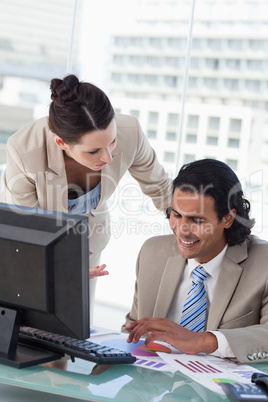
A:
{"x":183,"y":227}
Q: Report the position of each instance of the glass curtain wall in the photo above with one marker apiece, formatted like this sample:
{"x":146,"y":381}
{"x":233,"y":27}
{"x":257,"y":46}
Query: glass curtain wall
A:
{"x":194,"y":72}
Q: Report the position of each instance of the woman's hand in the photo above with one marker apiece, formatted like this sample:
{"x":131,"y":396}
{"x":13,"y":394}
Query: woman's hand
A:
{"x":98,"y":271}
{"x":163,"y":329}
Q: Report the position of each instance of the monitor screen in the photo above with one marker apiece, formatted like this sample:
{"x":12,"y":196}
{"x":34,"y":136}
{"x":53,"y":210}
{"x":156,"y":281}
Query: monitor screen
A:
{"x":44,"y":270}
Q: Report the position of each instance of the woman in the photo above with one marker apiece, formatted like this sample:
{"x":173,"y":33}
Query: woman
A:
{"x":72,"y":160}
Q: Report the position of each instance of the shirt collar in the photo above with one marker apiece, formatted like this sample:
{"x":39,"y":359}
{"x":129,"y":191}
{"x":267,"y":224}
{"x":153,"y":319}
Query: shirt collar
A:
{"x":212,"y":267}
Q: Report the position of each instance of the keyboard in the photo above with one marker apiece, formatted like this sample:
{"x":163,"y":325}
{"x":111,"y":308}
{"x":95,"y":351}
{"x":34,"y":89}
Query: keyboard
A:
{"x":73,"y":347}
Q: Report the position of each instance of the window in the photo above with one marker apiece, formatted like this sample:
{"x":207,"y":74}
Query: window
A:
{"x":187,"y":158}
{"x":253,"y":85}
{"x":197,"y":44}
{"x":231,"y":85}
{"x":136,"y":42}
{"x":256,"y":44}
{"x":173,"y":119}
{"x":174,"y":62}
{"x":156,"y":43}
{"x":211,"y":83}
{"x":151,"y":134}
{"x":195,"y":63}
{"x":235,"y":125}
{"x":135,"y":78}
{"x":233,"y":142}
{"x":153,"y":117}
{"x":135,"y":113}
{"x":192,"y":121}
{"x":233,"y":163}
{"x":255,"y":65}
{"x":171,"y":81}
{"x":155,"y":61}
{"x":119,"y":60}
{"x":171,"y":136}
{"x":212,"y":64}
{"x":235,"y":44}
{"x":215,"y":44}
{"x":169,"y":157}
{"x":212,"y":140}
{"x":233,"y":64}
{"x":193,"y":82}
{"x":177,"y":43}
{"x":151,"y":80}
{"x":137,"y":61}
{"x":121,"y":42}
{"x":117,"y":77}
{"x":191,"y":138}
{"x":214,"y":123}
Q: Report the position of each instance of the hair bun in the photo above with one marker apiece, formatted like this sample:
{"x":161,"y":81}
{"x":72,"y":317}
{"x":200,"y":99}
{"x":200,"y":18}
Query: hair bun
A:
{"x":64,"y":90}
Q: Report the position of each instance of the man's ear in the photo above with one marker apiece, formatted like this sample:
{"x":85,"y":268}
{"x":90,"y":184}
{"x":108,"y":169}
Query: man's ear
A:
{"x":59,"y":141}
{"x":229,"y":218}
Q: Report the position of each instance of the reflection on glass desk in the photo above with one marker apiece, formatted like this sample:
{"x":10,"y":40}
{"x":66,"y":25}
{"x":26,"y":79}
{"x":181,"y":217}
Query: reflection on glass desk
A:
{"x":86,"y":381}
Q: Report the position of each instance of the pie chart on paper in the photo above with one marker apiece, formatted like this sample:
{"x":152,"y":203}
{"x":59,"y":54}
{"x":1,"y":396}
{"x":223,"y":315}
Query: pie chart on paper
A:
{"x":150,"y":350}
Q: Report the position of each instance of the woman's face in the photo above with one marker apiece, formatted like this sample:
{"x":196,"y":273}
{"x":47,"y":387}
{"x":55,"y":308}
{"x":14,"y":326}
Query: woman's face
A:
{"x":95,"y":148}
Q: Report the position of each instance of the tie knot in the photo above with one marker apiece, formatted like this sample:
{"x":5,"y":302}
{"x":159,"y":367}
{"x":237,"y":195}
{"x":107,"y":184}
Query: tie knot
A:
{"x":199,"y":274}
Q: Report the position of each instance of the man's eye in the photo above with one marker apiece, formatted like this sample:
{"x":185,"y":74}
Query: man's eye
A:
{"x":198,"y":220}
{"x":176,"y":215}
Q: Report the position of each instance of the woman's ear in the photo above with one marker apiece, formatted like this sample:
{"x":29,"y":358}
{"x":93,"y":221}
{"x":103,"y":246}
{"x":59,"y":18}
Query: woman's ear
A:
{"x":59,"y":141}
{"x":229,"y":218}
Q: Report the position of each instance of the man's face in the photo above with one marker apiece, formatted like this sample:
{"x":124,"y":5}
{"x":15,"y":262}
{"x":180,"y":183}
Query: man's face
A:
{"x":195,"y":224}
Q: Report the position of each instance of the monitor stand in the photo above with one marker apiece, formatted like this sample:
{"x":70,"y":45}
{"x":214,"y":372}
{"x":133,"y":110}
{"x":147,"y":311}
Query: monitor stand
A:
{"x":14,"y":354}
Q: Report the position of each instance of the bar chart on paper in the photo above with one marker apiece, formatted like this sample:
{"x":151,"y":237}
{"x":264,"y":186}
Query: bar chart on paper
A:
{"x":210,"y":371}
{"x":197,"y":367}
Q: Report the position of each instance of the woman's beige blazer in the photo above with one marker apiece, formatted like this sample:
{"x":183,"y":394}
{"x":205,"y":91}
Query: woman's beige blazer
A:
{"x":35,"y":175}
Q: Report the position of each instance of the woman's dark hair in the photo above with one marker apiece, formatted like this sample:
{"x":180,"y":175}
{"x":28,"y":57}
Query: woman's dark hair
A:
{"x":77,"y":108}
{"x":213,"y":178}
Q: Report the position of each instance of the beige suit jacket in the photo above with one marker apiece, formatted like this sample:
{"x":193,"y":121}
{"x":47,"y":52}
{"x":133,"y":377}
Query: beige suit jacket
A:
{"x":35,"y":174}
{"x":239,"y":308}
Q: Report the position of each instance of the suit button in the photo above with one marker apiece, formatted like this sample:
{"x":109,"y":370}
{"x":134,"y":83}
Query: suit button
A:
{"x":250,"y":357}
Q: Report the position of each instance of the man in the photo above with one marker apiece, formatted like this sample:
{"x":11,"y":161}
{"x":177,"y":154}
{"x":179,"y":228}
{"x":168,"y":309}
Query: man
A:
{"x":210,"y":221}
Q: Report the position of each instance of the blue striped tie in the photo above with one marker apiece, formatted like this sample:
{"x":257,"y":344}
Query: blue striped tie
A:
{"x":194,"y":310}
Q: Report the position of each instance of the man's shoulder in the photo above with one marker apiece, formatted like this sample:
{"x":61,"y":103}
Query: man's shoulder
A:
{"x":253,"y":239}
{"x":255,"y":242}
{"x":251,"y":250}
{"x":159,"y":244}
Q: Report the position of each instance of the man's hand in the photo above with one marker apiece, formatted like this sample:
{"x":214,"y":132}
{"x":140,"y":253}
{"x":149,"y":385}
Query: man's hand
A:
{"x":163,"y":329}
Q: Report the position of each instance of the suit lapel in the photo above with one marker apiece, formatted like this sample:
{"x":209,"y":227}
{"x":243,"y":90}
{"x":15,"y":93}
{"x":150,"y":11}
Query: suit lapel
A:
{"x":56,"y":179}
{"x":171,"y":276}
{"x":227,"y":281}
{"x":110,"y":176}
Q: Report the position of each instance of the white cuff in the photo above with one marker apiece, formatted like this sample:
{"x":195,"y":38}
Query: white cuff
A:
{"x":224,"y":349}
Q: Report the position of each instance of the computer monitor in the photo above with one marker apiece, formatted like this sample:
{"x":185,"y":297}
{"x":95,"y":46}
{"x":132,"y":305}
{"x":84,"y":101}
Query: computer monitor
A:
{"x":44,"y":279}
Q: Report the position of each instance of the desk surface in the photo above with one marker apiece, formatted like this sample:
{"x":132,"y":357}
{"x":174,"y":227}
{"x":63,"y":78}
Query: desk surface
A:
{"x":83,"y":380}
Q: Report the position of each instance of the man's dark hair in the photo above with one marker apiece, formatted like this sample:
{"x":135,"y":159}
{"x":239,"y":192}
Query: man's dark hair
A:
{"x":216,"y":179}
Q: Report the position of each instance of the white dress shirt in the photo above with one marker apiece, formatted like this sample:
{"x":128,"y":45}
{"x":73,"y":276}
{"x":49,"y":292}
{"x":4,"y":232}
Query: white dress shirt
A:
{"x":213,"y":268}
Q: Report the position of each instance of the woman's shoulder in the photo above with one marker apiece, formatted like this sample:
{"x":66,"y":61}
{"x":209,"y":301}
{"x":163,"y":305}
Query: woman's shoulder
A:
{"x":126,"y":121}
{"x":129,"y":132}
{"x":32,"y":135}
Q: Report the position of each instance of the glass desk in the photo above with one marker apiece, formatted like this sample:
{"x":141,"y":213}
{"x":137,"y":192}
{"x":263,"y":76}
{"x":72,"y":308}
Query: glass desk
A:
{"x":85,"y":381}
